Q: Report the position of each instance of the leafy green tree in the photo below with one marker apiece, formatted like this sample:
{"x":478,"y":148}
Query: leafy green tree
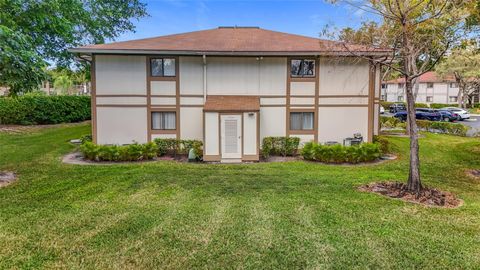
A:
{"x":56,"y":25}
{"x":423,"y":31}
{"x":464,"y":63}
{"x":21,"y":68}
{"x":34,"y":31}
{"x":63,"y":84}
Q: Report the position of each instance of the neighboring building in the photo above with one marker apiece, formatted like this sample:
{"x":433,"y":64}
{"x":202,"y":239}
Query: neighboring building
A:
{"x":431,"y":89}
{"x":230,"y":87}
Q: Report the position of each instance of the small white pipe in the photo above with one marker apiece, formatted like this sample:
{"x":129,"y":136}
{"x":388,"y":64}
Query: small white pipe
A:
{"x":204,"y":78}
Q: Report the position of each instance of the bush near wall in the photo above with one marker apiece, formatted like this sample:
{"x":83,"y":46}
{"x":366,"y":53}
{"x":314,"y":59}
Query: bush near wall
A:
{"x":441,"y":105}
{"x":174,"y":146}
{"x":38,"y":109}
{"x":132,"y":152}
{"x":364,"y":152}
{"x":280,"y":146}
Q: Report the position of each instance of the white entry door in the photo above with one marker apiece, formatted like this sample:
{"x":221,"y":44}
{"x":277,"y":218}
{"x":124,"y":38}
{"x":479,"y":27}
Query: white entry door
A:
{"x":231,"y":136}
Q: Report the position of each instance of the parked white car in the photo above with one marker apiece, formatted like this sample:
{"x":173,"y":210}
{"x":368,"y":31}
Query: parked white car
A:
{"x":382,"y":110}
{"x":461,"y":112}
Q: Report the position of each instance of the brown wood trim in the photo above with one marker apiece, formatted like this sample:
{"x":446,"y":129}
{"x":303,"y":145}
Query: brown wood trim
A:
{"x":191,"y":96}
{"x":163,"y":106}
{"x":273,"y":96}
{"x":273,"y":105}
{"x":303,"y":79}
{"x":167,"y":96}
{"x":190,"y":106}
{"x":209,"y":158}
{"x":371,"y":93}
{"x":302,"y":132}
{"x":93,"y":99}
{"x":303,"y":105}
{"x":258,"y":134}
{"x":302,"y":96}
{"x":287,"y":103}
{"x":317,"y":94}
{"x":171,"y":109}
{"x":132,"y":95}
{"x":123,"y":105}
{"x":175,"y":107}
{"x":163,"y":79}
{"x":230,"y":111}
{"x":303,"y":110}
{"x":163,"y":131}
{"x":343,"y":96}
{"x":177,"y":85}
{"x":149,"y":102}
{"x":342,"y":105}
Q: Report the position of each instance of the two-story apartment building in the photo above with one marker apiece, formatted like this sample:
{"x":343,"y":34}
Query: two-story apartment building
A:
{"x":230,"y":87}
{"x":431,"y":88}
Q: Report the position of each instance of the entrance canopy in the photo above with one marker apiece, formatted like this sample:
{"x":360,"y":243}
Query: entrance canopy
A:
{"x":232,"y":104}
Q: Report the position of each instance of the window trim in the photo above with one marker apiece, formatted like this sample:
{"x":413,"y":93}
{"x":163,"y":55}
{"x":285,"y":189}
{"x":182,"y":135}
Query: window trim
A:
{"x":162,"y":77}
{"x":430,"y":85}
{"x":303,"y":77}
{"x":301,"y":131}
{"x":163,"y":131}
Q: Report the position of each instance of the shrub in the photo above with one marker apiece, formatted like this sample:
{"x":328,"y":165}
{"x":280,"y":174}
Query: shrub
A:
{"x":443,"y":127}
{"x":386,"y":104}
{"x":383,"y":144}
{"x":391,"y":122}
{"x":364,"y":152}
{"x":283,"y":146}
{"x":440,"y":105}
{"x":174,"y":146}
{"x":132,"y":152}
{"x":38,"y":109}
{"x":86,"y":138}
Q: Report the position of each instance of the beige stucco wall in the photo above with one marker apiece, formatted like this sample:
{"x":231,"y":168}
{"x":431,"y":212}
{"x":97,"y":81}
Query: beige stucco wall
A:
{"x":211,"y":143}
{"x":343,"y":76}
{"x":191,"y":79}
{"x":117,"y":75}
{"x":302,"y":88}
{"x":272,"y":121}
{"x":121,"y":100}
{"x":163,"y":88}
{"x":121,"y":125}
{"x":191,"y":123}
{"x":338,"y":123}
{"x":163,"y":136}
{"x":249,"y":134}
{"x":246,"y":76}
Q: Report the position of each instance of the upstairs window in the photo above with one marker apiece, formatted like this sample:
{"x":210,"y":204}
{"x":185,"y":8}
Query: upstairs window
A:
{"x":429,"y":85}
{"x":301,"y":68}
{"x":430,"y":99}
{"x":162,"y":67}
{"x":301,"y":121}
{"x":164,"y":120}
{"x":453,"y":85}
{"x":400,"y":99}
{"x":401,"y":85}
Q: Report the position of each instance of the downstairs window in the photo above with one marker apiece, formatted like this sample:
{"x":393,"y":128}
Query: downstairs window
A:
{"x":301,"y":121}
{"x":164,"y":121}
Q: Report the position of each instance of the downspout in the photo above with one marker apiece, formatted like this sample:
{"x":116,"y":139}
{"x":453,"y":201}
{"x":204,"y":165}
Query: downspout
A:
{"x":204,"y":79}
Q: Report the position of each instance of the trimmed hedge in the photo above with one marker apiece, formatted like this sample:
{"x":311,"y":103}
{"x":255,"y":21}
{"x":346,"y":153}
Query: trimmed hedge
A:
{"x":364,"y":152}
{"x":429,"y":126}
{"x":280,"y":146}
{"x":443,"y":127}
{"x":174,"y":146}
{"x":386,"y":104}
{"x":132,"y":152}
{"x":441,"y":105}
{"x":37,"y":109}
{"x":383,"y":143}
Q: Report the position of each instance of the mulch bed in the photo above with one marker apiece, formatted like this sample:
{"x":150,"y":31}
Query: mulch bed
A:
{"x":6,"y":178}
{"x":428,"y":196}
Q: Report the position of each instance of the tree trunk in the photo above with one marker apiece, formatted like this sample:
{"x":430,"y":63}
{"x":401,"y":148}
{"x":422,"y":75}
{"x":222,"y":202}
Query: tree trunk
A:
{"x":414,"y":184}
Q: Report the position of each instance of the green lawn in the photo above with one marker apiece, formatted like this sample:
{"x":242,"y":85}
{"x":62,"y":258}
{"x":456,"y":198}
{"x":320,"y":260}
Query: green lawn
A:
{"x":257,"y":216}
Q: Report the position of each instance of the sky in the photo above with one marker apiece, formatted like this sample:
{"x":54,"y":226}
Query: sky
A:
{"x":303,"y":17}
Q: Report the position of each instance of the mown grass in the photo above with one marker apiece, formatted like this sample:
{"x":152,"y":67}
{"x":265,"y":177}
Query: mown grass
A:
{"x":257,"y":216}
